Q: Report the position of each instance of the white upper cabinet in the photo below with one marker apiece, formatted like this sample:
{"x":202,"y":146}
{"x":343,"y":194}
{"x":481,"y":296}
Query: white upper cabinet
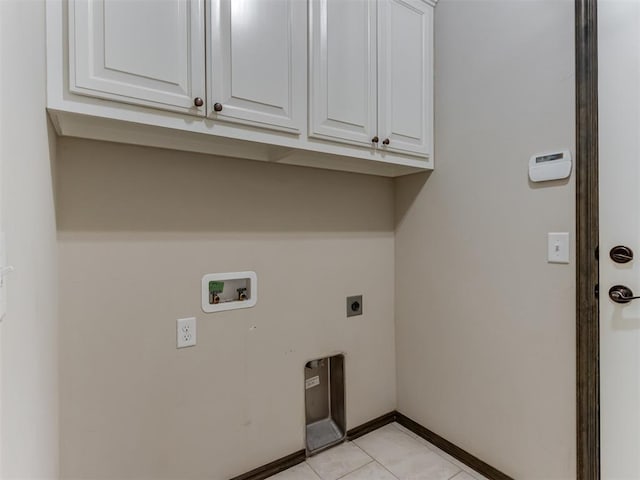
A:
{"x":343,"y":71}
{"x":371,"y":73}
{"x":142,"y":52}
{"x":257,"y":62}
{"x":405,"y":80}
{"x":337,"y":84}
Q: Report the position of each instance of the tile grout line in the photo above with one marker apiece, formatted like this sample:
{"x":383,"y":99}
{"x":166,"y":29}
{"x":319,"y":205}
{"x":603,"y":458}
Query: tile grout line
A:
{"x":461,"y":468}
{"x":362,"y":466}
{"x":358,"y":447}
{"x":374,"y":458}
{"x":442,"y":454}
{"x":313,"y":469}
{"x":383,"y":466}
{"x":405,"y":430}
{"x":393,"y":424}
{"x":349,"y":472}
{"x":461,"y":471}
{"x":420,"y":440}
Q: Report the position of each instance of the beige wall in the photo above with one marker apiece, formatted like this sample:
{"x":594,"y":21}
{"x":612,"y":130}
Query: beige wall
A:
{"x":28,"y":345}
{"x":484,"y":330}
{"x":485,"y":327}
{"x":138,"y":227}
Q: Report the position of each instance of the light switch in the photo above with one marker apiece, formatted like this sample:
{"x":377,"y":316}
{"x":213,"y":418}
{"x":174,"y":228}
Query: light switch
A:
{"x":558,"y":247}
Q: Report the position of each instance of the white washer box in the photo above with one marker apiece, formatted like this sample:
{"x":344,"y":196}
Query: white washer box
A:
{"x":225,"y":286}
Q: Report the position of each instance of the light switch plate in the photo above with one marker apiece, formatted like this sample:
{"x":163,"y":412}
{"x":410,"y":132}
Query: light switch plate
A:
{"x":558,"y":247}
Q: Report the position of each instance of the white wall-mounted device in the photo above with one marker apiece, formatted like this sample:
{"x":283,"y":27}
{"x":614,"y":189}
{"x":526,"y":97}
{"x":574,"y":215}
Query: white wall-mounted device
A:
{"x":229,"y":291}
{"x":550,"y":166}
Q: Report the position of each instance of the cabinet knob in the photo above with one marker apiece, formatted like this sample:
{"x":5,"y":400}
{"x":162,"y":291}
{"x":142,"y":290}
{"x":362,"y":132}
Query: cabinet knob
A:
{"x":375,"y":139}
{"x":386,"y":141}
{"x":198,"y":102}
{"x":217,"y":107}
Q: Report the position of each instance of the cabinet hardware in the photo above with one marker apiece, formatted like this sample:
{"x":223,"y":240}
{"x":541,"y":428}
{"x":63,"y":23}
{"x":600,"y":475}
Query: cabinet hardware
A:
{"x":217,"y":107}
{"x":198,"y":102}
{"x":386,"y":141}
{"x":375,"y":140}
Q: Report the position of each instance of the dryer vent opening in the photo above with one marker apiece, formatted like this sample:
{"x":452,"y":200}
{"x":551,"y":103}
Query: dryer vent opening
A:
{"x":325,"y":416}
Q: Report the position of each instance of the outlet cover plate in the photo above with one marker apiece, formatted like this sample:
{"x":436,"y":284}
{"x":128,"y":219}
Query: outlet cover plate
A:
{"x":354,"y":305}
{"x":185,"y":332}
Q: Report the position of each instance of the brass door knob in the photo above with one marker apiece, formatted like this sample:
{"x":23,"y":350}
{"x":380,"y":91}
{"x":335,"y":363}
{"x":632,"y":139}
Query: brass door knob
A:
{"x":386,"y":141}
{"x":217,"y":107}
{"x":198,"y":102}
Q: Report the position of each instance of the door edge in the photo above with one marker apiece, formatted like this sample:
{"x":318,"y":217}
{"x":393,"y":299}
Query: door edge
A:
{"x":587,"y":235}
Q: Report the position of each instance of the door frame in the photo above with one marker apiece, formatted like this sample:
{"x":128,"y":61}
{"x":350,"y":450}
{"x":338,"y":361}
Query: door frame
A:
{"x":587,"y":235}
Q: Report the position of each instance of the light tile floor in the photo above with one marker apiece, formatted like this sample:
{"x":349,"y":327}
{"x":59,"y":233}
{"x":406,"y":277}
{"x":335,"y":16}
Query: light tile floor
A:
{"x":389,"y":453}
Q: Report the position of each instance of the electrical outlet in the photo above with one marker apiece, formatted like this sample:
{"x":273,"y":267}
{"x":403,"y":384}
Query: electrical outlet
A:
{"x":354,"y":305}
{"x":186,"y":332}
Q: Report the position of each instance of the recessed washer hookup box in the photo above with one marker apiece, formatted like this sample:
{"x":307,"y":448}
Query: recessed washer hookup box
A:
{"x":229,"y":291}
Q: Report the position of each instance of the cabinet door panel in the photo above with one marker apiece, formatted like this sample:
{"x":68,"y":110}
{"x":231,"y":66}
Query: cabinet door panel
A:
{"x":343,"y":70}
{"x":137,"y":51}
{"x":257,"y":65}
{"x":405,"y":75}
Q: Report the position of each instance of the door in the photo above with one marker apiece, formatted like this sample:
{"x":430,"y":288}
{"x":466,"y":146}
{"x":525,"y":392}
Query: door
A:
{"x":619,"y":152}
{"x":405,"y":76}
{"x":257,"y":62}
{"x":139,"y":52}
{"x":343,"y":71}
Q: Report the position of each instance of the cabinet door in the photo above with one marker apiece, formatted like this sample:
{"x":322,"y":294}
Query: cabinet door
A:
{"x":257,"y":62}
{"x":405,"y":82}
{"x":343,"y":70}
{"x":138,"y":51}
